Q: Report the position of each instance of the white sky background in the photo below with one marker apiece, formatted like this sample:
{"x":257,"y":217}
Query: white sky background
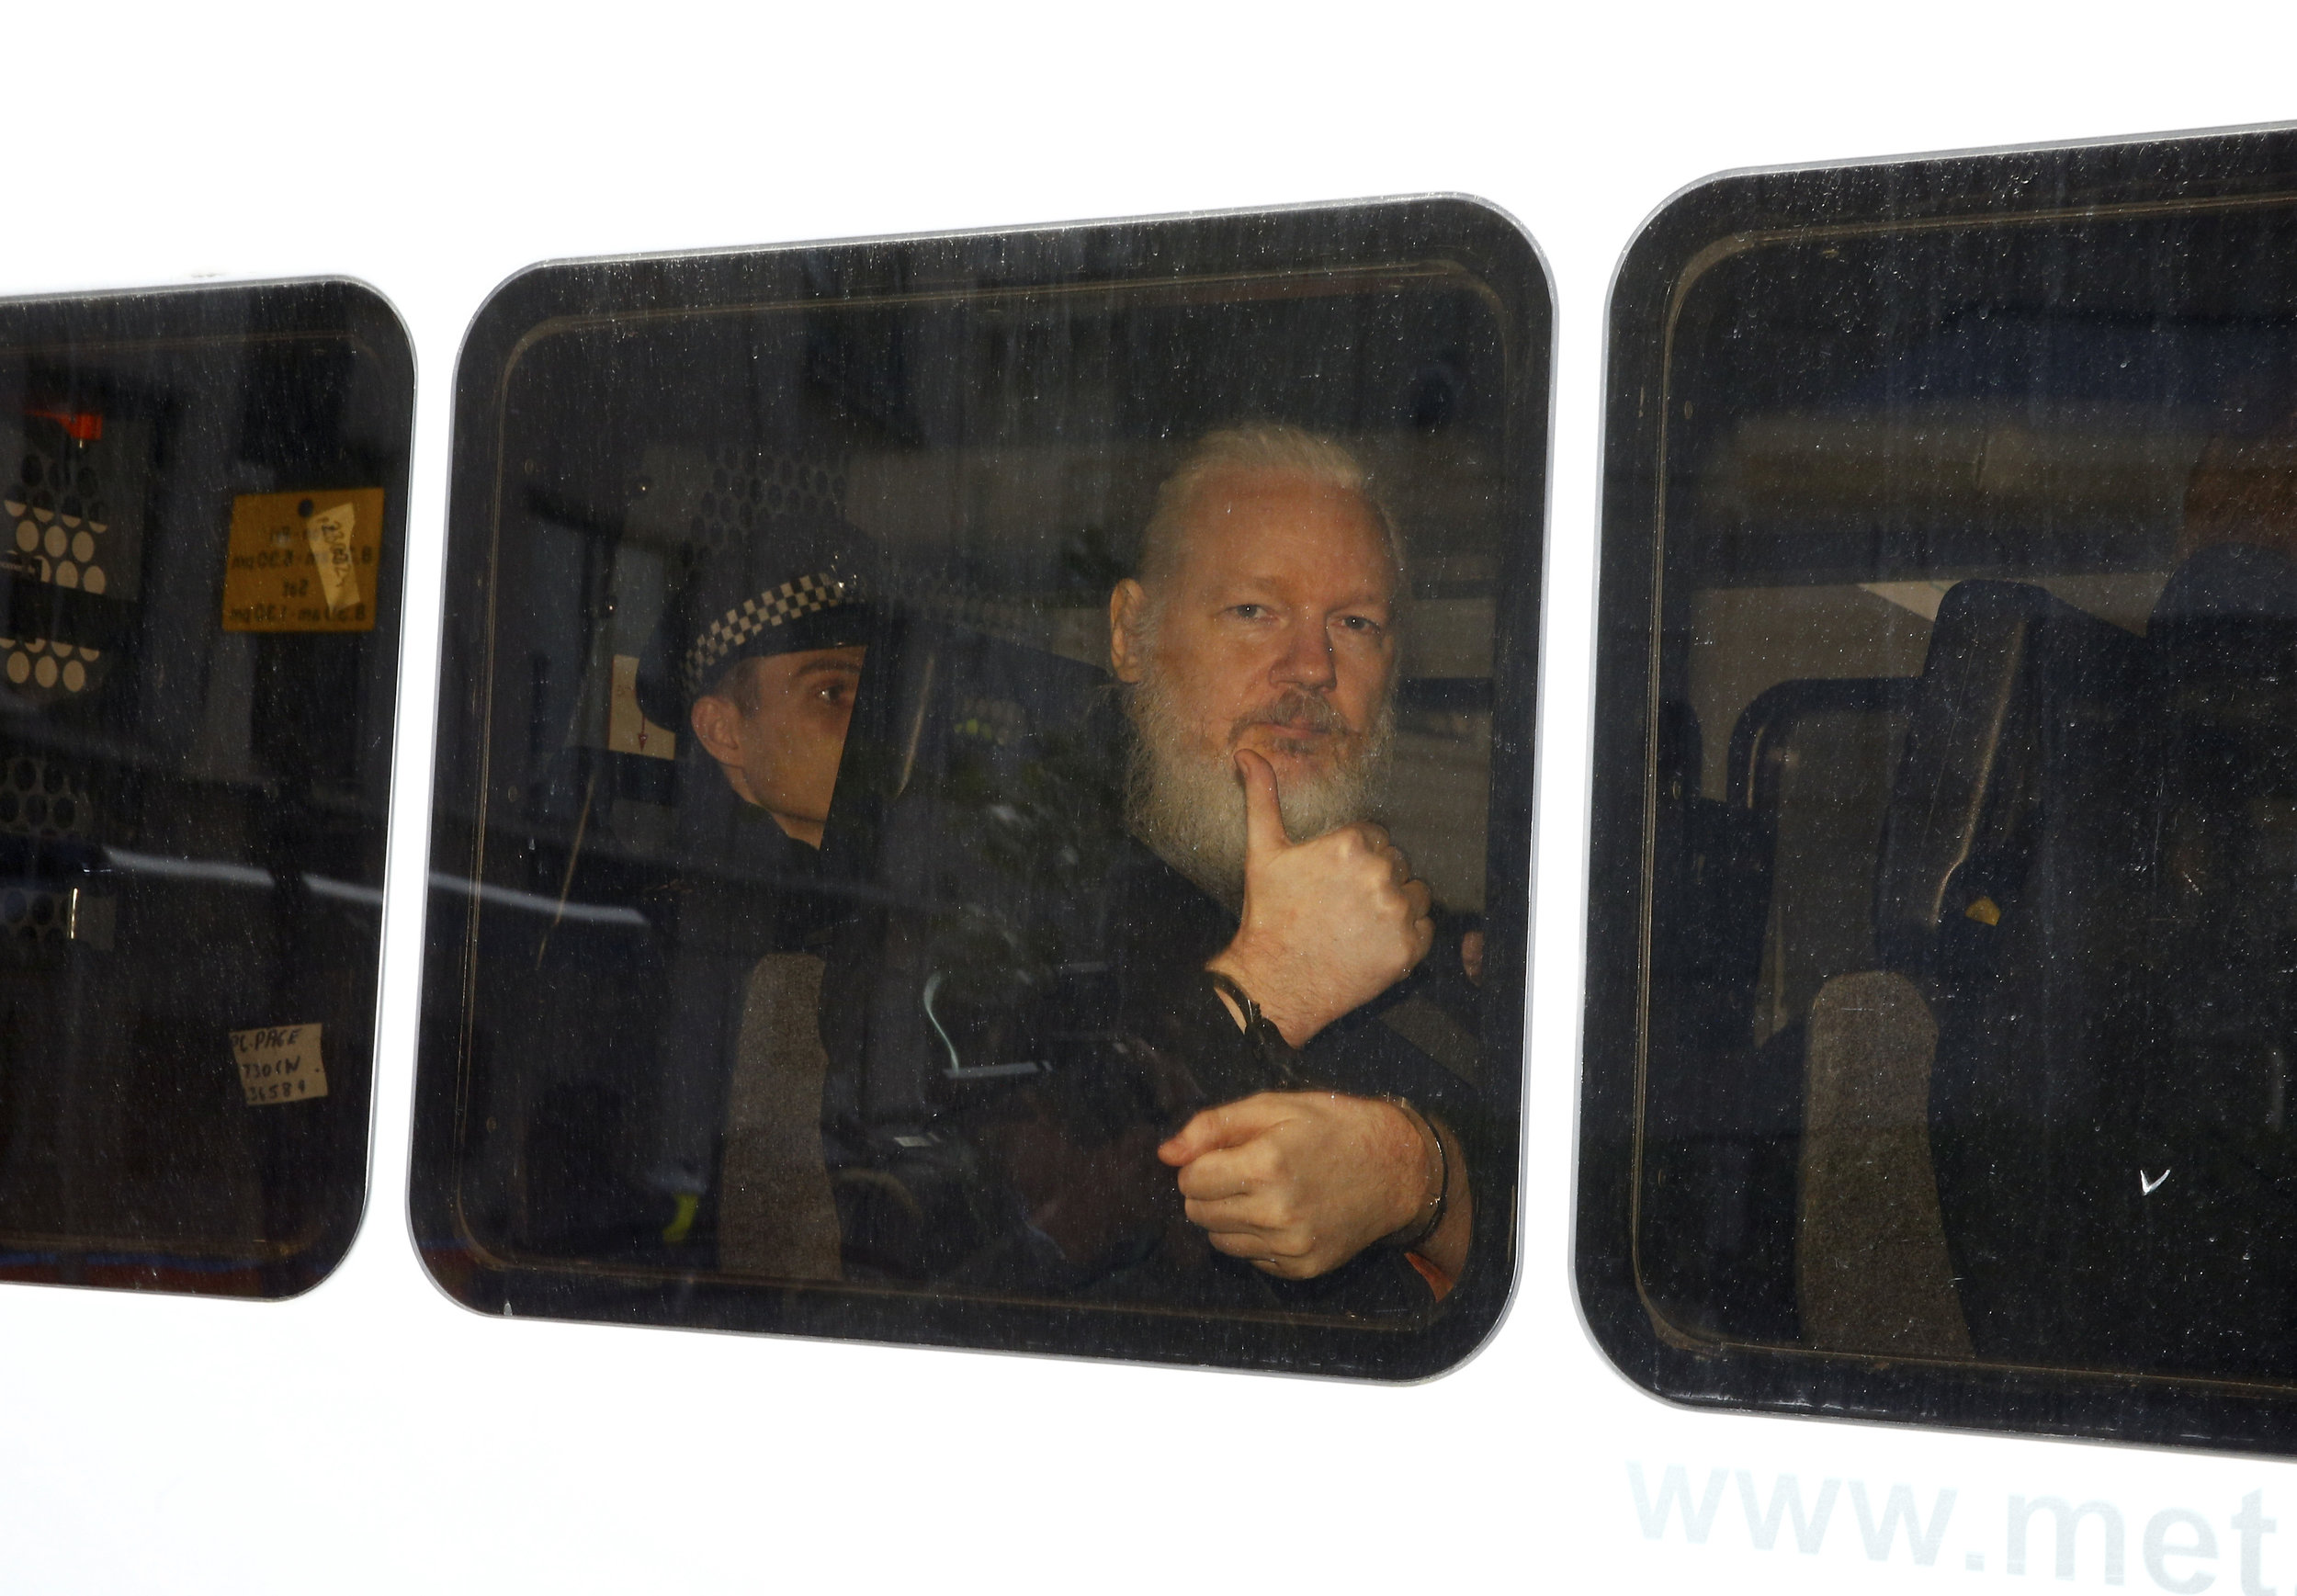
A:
{"x":373,"y":1435}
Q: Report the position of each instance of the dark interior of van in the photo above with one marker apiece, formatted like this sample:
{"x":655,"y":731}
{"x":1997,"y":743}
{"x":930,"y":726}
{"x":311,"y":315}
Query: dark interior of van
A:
{"x":193,"y":779}
{"x":1972,"y":873}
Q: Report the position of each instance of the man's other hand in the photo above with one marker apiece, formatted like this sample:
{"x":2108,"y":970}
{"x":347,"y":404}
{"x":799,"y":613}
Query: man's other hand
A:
{"x":1301,"y":1182}
{"x":1329,"y":924}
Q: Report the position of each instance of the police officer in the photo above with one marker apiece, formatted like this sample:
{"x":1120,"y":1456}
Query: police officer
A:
{"x":759,"y":654}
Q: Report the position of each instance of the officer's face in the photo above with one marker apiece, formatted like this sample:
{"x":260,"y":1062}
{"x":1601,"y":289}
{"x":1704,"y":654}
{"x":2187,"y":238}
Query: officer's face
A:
{"x":779,"y":732}
{"x":1274,"y":630}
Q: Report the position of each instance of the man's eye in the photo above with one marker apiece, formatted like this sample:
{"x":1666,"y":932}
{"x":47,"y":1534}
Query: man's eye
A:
{"x":1361,"y":623}
{"x":1248,"y":611}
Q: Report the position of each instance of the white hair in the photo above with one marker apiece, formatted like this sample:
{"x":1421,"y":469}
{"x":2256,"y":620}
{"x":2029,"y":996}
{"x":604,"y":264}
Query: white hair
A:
{"x":1268,"y":448}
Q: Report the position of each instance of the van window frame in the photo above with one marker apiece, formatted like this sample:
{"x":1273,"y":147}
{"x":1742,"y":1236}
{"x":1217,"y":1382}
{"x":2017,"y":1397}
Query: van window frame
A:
{"x":1454,"y":235}
{"x":243,"y":314}
{"x":1714,"y":221}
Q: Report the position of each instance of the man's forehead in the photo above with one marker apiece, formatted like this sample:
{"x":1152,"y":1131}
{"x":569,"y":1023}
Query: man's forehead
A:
{"x":1237,"y":518}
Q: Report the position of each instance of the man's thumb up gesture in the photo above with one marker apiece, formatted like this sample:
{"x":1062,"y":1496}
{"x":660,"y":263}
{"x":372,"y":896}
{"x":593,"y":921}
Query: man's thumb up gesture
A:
{"x":1329,"y":924}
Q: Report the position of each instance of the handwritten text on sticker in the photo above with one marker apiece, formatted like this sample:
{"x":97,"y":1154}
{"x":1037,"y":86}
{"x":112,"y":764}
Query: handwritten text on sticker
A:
{"x":279,"y":1063}
{"x":304,"y":562}
{"x":329,"y":533}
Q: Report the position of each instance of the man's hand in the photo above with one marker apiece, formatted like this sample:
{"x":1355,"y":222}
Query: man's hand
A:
{"x":1301,"y":1182}
{"x":1329,"y":924}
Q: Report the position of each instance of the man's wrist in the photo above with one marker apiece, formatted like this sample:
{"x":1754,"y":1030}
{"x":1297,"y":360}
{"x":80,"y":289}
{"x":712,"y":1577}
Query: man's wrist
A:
{"x":1268,"y":997}
{"x":1435,"y":1180}
{"x":1277,"y":1058}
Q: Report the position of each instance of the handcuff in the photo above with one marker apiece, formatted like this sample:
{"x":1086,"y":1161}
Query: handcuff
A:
{"x":1415,"y":1232}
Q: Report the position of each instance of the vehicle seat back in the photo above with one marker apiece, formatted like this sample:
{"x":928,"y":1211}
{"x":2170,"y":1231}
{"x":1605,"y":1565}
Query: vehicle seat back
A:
{"x":1812,"y":762}
{"x":1872,"y":1273}
{"x":2007,"y":701}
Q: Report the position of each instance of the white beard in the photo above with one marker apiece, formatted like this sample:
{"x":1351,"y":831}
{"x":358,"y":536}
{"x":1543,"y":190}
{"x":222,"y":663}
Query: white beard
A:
{"x":1187,"y":802}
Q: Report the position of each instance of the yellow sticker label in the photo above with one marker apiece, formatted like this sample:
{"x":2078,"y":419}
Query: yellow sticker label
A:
{"x":303,"y":562}
{"x":279,"y":1064}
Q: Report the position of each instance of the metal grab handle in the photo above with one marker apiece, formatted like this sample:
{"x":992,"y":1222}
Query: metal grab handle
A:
{"x":958,"y":1069}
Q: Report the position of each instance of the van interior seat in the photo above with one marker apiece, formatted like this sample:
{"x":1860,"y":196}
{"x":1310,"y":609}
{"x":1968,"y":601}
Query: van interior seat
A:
{"x":2000,"y":709}
{"x":1762,"y":895}
{"x":1872,"y":1269}
{"x":1951,"y":870}
{"x":2085,"y":875}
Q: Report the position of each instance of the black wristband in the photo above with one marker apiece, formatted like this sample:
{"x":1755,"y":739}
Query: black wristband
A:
{"x":1276,"y":1056}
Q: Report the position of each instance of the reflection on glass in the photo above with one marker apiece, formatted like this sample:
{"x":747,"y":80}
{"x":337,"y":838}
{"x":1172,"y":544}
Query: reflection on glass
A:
{"x":869,"y":895}
{"x":1970,"y":1013}
{"x":199,"y":639}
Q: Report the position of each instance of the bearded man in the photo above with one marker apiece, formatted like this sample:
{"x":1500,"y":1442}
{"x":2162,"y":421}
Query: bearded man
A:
{"x":1206,"y":1099}
{"x":1256,"y":650}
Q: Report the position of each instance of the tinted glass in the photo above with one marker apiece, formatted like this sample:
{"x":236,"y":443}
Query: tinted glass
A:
{"x":1939,"y":1001}
{"x":203,"y":496}
{"x":798,"y":960}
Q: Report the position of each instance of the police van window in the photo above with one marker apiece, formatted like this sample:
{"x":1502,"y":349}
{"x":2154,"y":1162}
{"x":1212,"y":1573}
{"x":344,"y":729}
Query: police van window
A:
{"x":983,"y":796}
{"x":203,"y":495}
{"x":1940,"y":1020}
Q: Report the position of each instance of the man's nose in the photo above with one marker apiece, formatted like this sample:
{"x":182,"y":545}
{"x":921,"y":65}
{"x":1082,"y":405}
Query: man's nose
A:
{"x":1306,"y":661}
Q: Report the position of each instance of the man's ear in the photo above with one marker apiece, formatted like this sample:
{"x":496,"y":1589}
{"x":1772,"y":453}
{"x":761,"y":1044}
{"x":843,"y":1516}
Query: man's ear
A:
{"x":718,"y":728}
{"x":1128,"y":604}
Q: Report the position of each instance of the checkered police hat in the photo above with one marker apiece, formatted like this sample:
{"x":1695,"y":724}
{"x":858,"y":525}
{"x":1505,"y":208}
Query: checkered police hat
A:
{"x":796,"y":582}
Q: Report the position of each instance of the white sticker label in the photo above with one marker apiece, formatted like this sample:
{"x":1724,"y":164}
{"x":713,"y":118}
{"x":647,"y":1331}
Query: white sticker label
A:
{"x":627,"y":730}
{"x":329,"y":533}
{"x":279,"y":1063}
